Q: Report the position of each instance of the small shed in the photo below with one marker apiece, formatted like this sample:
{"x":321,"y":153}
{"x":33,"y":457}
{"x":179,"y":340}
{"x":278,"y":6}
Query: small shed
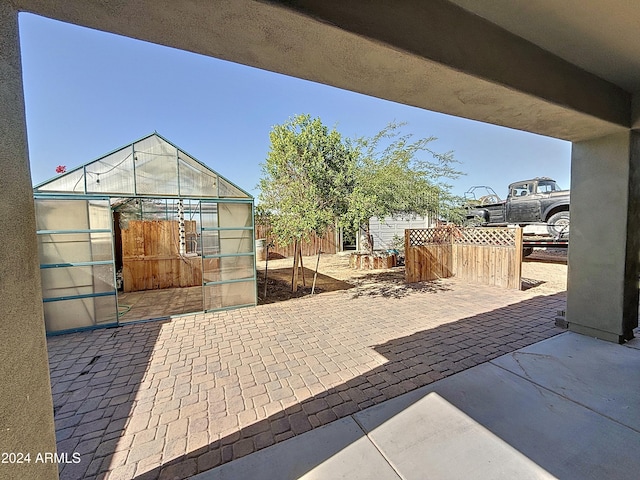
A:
{"x":388,"y":232}
{"x":146,"y":231}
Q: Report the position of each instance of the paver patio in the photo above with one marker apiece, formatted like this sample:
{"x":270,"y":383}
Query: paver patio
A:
{"x":169,"y":399}
{"x":159,"y":303}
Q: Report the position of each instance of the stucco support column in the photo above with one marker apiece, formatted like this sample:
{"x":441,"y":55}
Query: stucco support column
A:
{"x":26,"y":407}
{"x":602,"y":298}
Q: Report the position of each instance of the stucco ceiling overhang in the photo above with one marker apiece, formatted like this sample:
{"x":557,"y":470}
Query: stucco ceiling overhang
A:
{"x":465,"y":58}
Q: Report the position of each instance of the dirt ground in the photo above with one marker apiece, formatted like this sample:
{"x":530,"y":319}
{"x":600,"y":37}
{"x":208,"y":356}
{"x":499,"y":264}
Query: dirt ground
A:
{"x":544,"y":270}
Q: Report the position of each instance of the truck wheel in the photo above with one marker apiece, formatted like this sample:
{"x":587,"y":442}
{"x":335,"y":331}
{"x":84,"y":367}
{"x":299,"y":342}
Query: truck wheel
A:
{"x":558,"y":225}
{"x":526,"y":251}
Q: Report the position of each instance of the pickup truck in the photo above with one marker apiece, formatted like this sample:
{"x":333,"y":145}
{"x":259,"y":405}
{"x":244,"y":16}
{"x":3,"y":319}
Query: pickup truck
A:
{"x":539,"y":200}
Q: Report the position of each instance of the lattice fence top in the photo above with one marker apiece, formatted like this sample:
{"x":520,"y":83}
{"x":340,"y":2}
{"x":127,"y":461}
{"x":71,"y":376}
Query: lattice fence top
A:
{"x":463,"y":236}
{"x":486,"y":236}
{"x":428,"y":236}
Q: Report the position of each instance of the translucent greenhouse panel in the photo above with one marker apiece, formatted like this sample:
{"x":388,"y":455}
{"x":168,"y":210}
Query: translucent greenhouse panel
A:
{"x":210,"y":243}
{"x":60,"y":215}
{"x":227,"y":190}
{"x":99,"y":212}
{"x":227,"y":268}
{"x":229,"y":295}
{"x":212,"y":299}
{"x":84,"y":280}
{"x":192,"y":209}
{"x":127,"y":210}
{"x":192,"y":226}
{"x":106,"y":309}
{"x":236,"y":241}
{"x":192,"y":212}
{"x":72,"y":182}
{"x":156,"y":209}
{"x":75,"y":243}
{"x":112,"y":174}
{"x":60,"y":248}
{"x":156,"y":167}
{"x":211,"y":270}
{"x":195,"y":179}
{"x":235,"y":215}
{"x":80,"y":313}
{"x":209,"y":214}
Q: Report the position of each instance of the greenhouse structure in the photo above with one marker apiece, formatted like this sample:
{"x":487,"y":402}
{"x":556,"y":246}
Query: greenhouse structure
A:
{"x":144,"y":232}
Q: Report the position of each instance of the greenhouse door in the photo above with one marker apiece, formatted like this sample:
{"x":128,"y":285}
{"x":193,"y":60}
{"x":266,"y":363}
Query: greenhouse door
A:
{"x":75,"y":245}
{"x":228,"y":261}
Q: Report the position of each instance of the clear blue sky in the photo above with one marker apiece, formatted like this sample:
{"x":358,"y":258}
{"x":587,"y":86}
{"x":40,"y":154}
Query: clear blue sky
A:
{"x":88,"y":93}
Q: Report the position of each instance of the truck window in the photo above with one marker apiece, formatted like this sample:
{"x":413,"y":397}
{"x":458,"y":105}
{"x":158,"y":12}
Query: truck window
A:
{"x":547,"y":186}
{"x":520,"y":190}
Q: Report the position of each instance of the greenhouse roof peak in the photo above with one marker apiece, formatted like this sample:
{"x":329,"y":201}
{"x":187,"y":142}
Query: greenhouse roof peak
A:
{"x":151,"y":166}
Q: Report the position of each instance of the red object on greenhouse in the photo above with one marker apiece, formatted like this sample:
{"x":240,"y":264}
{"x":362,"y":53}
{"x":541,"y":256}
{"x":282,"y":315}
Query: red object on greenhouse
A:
{"x":61,"y":169}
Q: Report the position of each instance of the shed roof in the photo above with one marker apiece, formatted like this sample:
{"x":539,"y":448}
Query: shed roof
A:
{"x":151,"y":166}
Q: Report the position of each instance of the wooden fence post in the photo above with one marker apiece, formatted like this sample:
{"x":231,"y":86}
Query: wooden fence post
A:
{"x":407,"y":269}
{"x":518,"y":272}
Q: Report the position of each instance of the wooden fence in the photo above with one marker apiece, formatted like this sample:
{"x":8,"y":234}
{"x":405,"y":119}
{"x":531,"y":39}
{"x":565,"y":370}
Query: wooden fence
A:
{"x":151,"y":257}
{"x":327,"y":243}
{"x":489,"y":256}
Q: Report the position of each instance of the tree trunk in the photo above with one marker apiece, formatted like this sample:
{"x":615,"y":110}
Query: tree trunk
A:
{"x":369,"y":239}
{"x":294,"y":273}
{"x":315,"y":275}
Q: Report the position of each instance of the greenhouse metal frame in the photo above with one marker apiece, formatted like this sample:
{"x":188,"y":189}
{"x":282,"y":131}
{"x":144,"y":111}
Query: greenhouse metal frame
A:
{"x":208,"y":219}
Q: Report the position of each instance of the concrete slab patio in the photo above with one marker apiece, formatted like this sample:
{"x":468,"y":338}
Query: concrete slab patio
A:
{"x":169,"y":399}
{"x":562,"y":408}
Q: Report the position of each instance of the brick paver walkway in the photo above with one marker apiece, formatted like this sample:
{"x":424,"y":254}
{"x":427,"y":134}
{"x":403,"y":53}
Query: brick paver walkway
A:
{"x":169,"y":399}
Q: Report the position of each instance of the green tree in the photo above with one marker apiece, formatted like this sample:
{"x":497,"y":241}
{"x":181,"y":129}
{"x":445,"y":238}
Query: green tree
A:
{"x":391,"y":176}
{"x":306,"y":178}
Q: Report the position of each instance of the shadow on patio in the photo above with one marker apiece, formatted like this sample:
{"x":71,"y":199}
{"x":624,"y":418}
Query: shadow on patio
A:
{"x":159,"y":400}
{"x":412,"y":362}
{"x":95,"y":377}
